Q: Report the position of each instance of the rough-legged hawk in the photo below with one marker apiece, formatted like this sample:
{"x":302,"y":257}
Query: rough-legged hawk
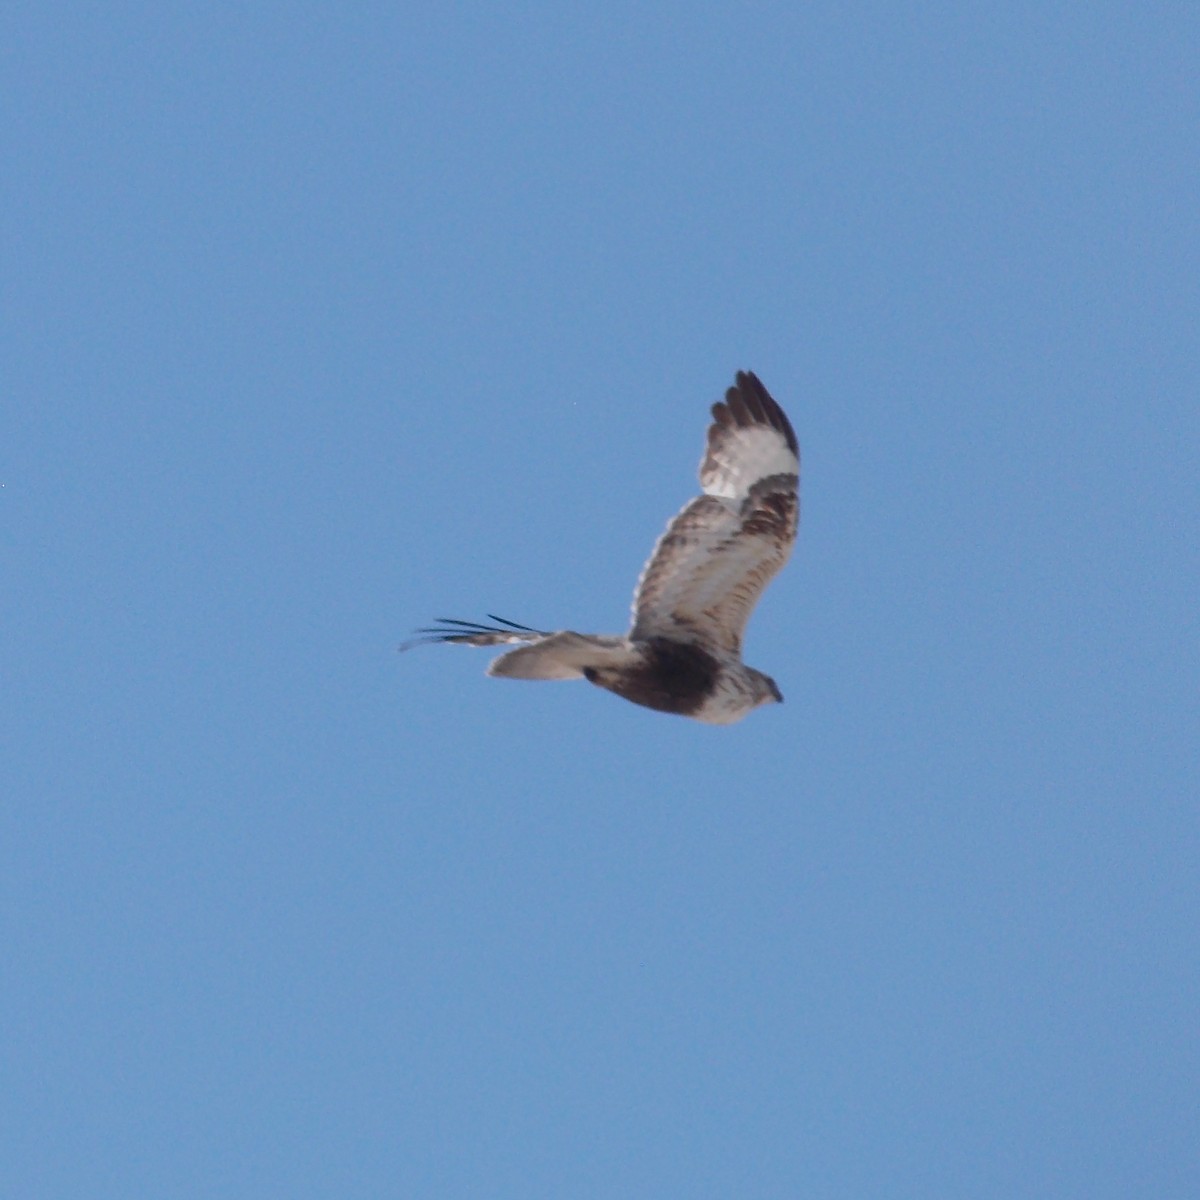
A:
{"x":684,"y":651}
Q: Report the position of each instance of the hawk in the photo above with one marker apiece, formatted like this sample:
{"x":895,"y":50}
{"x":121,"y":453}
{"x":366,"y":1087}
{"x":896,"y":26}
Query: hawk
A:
{"x":683,"y":653}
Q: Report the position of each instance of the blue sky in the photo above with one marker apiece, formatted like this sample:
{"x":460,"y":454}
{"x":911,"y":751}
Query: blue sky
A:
{"x":324,"y":320}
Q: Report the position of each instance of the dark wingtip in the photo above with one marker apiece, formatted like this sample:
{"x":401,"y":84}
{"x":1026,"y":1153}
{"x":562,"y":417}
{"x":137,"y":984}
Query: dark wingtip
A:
{"x":749,"y":403}
{"x":453,"y":631}
{"x":430,"y":635}
{"x":512,"y":624}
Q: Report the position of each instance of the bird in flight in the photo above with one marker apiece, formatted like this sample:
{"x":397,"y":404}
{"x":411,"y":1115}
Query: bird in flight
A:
{"x":683,"y":653}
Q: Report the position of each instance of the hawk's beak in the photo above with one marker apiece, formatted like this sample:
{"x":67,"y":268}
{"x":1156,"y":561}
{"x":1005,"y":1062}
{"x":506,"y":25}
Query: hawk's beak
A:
{"x":776,"y":692}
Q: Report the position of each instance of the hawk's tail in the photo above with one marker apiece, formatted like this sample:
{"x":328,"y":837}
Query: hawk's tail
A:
{"x":563,"y":655}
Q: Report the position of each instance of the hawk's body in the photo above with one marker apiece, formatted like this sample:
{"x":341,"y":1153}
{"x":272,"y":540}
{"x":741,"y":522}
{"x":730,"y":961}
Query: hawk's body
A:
{"x":684,"y":652}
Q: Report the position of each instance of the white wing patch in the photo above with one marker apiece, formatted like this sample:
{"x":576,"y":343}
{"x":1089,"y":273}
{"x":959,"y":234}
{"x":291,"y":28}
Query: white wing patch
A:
{"x":733,"y":466}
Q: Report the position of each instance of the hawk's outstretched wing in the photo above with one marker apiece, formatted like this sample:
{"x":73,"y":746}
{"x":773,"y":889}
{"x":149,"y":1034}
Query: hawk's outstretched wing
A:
{"x":714,"y":560}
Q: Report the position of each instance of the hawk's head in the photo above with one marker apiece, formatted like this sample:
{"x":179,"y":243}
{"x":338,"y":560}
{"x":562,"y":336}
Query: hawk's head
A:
{"x":766,"y":690}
